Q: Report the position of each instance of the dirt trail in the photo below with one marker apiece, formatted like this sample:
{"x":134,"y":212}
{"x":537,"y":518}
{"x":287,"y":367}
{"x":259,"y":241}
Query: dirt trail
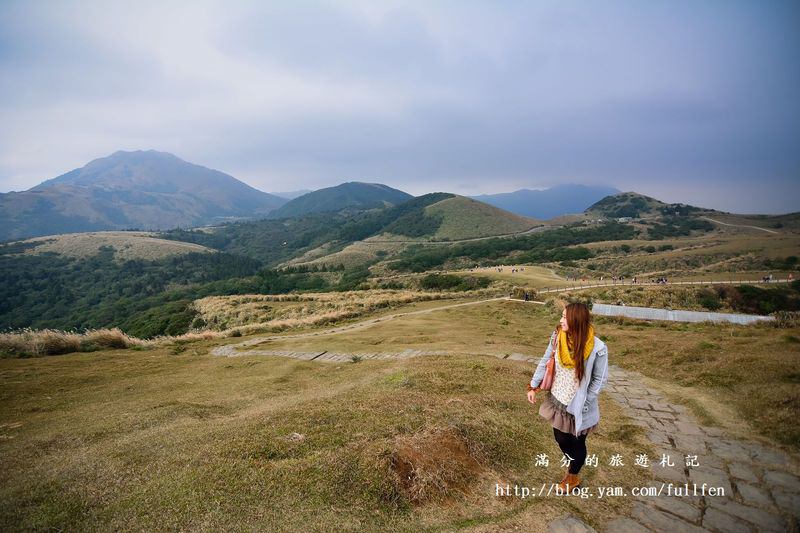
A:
{"x":232,"y":349}
{"x":741,"y":226}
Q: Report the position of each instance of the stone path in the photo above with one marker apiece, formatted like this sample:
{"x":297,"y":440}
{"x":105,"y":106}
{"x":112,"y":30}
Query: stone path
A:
{"x":231,"y":350}
{"x":760,"y":493}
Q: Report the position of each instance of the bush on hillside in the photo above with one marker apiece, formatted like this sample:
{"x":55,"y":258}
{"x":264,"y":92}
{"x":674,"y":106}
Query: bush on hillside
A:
{"x":31,"y":343}
{"x":453,"y":282}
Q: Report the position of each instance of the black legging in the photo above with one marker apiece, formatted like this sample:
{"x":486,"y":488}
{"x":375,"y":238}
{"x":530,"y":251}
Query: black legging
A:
{"x":573,"y":446}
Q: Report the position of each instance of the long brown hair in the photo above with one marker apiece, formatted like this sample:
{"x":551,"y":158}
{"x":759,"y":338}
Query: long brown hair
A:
{"x":578,"y":321}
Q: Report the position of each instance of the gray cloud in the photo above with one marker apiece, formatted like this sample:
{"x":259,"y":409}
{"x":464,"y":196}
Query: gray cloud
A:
{"x":687,"y":101}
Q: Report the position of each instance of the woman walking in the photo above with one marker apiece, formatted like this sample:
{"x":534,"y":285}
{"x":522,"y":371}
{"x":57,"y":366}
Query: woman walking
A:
{"x":581,"y":370}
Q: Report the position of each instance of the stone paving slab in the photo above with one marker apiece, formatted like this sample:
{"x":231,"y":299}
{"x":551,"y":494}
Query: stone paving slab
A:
{"x":760,"y":494}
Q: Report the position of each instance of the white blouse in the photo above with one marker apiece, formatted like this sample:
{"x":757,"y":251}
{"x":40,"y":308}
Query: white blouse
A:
{"x":565,"y":384}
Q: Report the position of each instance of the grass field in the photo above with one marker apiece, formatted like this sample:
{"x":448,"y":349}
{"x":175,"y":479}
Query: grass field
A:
{"x":531,"y":276}
{"x":148,"y":440}
{"x":743,"y":367}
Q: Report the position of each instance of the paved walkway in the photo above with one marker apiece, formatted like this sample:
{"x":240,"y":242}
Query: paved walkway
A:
{"x":652,"y":313}
{"x":760,"y":492}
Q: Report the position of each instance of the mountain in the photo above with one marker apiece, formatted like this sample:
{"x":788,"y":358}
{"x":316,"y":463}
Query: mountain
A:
{"x":635,"y":205}
{"x":467,"y":218}
{"x":353,"y":195}
{"x":548,"y":203}
{"x":143,"y":189}
{"x":291,"y":195}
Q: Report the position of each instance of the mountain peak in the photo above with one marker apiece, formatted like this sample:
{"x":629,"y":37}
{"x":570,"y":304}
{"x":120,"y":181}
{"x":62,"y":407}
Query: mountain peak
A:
{"x":142,"y":188}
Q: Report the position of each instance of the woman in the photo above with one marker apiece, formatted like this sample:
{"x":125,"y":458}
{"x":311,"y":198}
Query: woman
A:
{"x":571,"y":407}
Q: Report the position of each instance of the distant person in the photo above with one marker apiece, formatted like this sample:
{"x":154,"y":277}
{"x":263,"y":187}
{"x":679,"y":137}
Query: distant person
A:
{"x":581,"y":370}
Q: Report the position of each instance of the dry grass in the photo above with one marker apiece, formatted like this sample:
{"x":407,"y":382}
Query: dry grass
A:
{"x":258,"y":312}
{"x":532,"y":276}
{"x":154,"y":441}
{"x":686,"y":297}
{"x":33,"y":343}
{"x":726,"y":251}
{"x":174,"y":439}
{"x":28,"y":342}
{"x":751,"y":368}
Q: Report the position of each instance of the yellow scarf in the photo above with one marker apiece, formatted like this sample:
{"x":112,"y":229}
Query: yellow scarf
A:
{"x":565,"y":357}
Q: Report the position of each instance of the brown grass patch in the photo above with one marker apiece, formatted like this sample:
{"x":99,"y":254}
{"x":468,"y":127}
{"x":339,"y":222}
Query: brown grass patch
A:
{"x":434,"y":465}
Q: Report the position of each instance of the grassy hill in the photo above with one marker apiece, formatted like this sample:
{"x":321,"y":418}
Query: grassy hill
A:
{"x":351,"y":196}
{"x":634,"y":205}
{"x":465,"y":218}
{"x":127,"y":245}
{"x":434,"y":217}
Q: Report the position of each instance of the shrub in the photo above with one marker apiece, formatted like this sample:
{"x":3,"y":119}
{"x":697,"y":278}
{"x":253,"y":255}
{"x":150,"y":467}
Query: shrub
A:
{"x":28,"y":343}
{"x":453,"y":282}
{"x":709,"y":299}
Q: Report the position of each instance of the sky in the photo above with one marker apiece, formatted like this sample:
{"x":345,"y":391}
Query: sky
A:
{"x":687,"y":101}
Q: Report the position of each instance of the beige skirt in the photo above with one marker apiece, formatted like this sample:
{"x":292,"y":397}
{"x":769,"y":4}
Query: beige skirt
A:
{"x":556,"y":413}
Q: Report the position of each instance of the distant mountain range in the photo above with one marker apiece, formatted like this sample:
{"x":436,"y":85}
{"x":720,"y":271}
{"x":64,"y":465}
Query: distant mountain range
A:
{"x":352,"y":195}
{"x":152,"y":190}
{"x":142,"y":189}
{"x":548,"y":203}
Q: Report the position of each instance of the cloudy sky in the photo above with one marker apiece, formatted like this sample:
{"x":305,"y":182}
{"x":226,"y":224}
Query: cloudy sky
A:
{"x":693,"y":101}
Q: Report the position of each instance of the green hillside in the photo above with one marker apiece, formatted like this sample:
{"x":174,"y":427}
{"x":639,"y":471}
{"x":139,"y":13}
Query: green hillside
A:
{"x":351,"y":196}
{"x":465,"y":218}
{"x":634,"y":205}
